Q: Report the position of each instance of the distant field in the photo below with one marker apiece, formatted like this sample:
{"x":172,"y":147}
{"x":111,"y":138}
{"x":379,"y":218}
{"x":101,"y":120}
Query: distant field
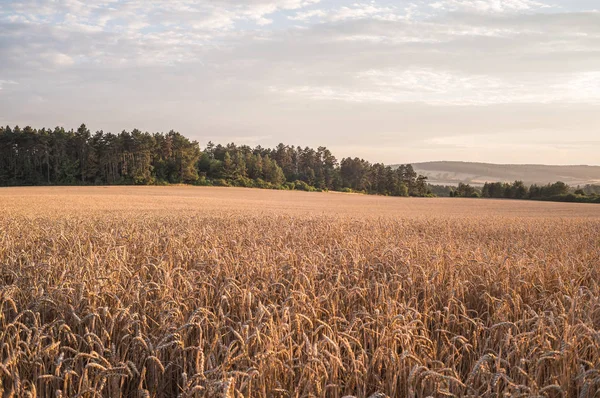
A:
{"x":452,"y":173}
{"x":188,"y":291}
{"x":58,"y":201}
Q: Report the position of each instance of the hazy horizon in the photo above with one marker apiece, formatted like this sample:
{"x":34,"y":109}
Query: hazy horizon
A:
{"x":494,"y":81}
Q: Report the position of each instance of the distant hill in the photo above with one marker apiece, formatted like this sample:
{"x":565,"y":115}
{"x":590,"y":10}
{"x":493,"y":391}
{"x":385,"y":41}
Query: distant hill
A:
{"x":451,"y":173}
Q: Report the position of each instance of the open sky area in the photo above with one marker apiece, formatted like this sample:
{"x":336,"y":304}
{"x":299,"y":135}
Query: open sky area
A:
{"x":504,"y":81}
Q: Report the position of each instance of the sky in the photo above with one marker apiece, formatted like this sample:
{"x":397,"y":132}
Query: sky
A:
{"x":502,"y":81}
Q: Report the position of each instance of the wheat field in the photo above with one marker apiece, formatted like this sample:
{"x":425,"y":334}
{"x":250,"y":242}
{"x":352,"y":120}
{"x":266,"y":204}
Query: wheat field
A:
{"x":223,"y":292}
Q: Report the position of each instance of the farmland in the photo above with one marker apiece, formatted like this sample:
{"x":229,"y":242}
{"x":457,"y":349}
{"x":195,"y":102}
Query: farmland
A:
{"x":189,"y":291}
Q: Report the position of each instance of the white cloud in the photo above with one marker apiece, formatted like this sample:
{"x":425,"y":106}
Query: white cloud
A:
{"x":133,"y":15}
{"x":444,"y":88}
{"x":60,"y":59}
{"x":5,"y":83}
{"x":584,"y":86}
{"x":355,"y":11}
{"x":361,"y":10}
{"x":484,"y":6}
{"x":307,"y":15}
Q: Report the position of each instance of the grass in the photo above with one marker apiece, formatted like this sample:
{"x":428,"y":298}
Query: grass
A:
{"x":180,"y":291}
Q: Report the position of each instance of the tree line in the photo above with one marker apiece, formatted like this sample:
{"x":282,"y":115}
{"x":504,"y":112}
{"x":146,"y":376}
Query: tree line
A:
{"x":57,"y":156}
{"x":558,"y":192}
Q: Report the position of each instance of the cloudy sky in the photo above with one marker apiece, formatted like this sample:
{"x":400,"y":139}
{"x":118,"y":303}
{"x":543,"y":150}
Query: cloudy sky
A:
{"x":504,"y":81}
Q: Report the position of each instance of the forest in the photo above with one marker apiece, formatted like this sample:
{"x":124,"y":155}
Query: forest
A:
{"x":77,"y":157}
{"x":57,"y":156}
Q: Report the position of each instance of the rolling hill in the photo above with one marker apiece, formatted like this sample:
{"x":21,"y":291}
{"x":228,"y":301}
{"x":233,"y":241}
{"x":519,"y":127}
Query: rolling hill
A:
{"x":451,"y":173}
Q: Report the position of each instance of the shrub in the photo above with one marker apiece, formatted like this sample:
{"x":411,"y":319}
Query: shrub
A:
{"x":244,"y":182}
{"x":303,"y":186}
{"x":203,"y":182}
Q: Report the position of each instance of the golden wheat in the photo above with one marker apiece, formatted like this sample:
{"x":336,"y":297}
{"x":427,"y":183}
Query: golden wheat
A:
{"x":197,"y":292}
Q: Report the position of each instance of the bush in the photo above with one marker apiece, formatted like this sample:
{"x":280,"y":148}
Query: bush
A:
{"x":203,"y":182}
{"x":260,"y":183}
{"x":244,"y":182}
{"x":302,"y":186}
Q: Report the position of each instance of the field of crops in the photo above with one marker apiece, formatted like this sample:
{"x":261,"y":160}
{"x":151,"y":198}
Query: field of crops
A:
{"x":208,"y":292}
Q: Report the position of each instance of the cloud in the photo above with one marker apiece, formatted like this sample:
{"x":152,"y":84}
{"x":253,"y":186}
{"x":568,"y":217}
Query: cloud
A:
{"x":307,"y":15}
{"x":133,"y":32}
{"x":584,"y":87}
{"x":353,"y":12}
{"x":5,"y":83}
{"x":446,"y":88}
{"x":484,"y":6}
{"x":135,"y":15}
{"x":306,"y":72}
{"x":60,"y":59}
{"x":363,"y":10}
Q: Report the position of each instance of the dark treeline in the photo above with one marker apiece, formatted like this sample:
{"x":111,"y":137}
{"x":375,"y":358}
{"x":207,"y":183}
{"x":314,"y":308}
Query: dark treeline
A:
{"x":78,"y":157}
{"x":36,"y":157}
{"x":558,"y":191}
{"x":306,"y":169}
